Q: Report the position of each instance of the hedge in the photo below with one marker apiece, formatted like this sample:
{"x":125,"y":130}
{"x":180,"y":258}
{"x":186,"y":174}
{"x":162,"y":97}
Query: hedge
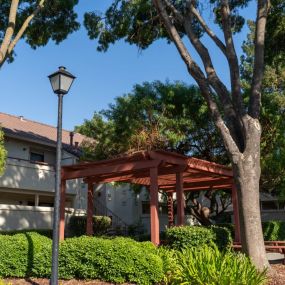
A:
{"x":77,"y":225}
{"x":115,"y":260}
{"x":195,"y":236}
{"x":272,"y":230}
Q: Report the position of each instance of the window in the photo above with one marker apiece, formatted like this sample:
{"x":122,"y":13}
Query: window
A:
{"x":37,"y":156}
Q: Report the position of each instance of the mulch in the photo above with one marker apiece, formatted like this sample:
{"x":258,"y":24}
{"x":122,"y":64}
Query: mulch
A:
{"x":278,"y":278}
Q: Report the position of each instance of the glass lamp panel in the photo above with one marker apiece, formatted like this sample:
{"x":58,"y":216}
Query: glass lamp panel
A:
{"x":54,"y":80}
{"x":65,"y":82}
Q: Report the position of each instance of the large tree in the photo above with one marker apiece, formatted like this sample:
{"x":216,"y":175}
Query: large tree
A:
{"x":271,"y":115}
{"x":36,"y":21}
{"x":142,"y":22}
{"x":156,"y":115}
{"x":168,"y":116}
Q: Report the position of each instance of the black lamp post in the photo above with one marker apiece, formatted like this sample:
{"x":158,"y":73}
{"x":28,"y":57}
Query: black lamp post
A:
{"x":61,"y":82}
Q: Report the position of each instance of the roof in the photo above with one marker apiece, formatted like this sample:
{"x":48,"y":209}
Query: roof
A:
{"x":25,"y":129}
{"x":197,"y":174}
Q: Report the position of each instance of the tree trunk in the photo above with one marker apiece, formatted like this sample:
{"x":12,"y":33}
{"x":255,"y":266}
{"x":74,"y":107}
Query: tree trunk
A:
{"x":246,"y":168}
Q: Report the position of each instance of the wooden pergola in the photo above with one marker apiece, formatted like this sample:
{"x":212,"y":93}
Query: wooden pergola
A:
{"x":157,"y":170}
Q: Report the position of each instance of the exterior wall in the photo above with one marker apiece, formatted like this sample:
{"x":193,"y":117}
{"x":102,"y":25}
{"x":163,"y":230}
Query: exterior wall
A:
{"x":23,"y":176}
{"x":270,"y":215}
{"x":14,"y":217}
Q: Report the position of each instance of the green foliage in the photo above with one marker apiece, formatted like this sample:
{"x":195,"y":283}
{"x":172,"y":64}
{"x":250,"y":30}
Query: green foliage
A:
{"x":77,"y":225}
{"x":169,"y":116}
{"x":208,"y":266}
{"x":116,"y":260}
{"x":195,"y":236}
{"x":25,"y":254}
{"x":54,"y":22}
{"x":271,"y":117}
{"x":137,"y":22}
{"x":275,"y":33}
{"x":274,"y":230}
{"x":3,"y":153}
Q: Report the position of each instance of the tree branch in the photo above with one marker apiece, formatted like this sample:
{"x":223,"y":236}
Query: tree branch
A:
{"x":10,"y":29}
{"x":258,"y":69}
{"x":25,"y":26}
{"x":232,"y":58}
{"x":209,"y":32}
{"x":199,"y":76}
{"x":176,"y":13}
{"x":22,"y":31}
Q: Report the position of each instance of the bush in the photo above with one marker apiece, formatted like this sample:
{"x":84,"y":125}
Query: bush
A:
{"x":25,"y":254}
{"x":116,"y":260}
{"x":77,"y":225}
{"x":193,"y":236}
{"x":274,"y":230}
{"x":209,"y":266}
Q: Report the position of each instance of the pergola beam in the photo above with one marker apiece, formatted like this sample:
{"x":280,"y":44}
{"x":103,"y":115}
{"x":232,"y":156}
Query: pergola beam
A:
{"x":119,"y":168}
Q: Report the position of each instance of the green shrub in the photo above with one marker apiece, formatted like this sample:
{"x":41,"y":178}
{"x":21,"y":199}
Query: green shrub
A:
{"x":77,"y":225}
{"x":116,"y":260}
{"x":193,"y":236}
{"x":25,"y":254}
{"x":209,"y":266}
{"x":274,"y":230}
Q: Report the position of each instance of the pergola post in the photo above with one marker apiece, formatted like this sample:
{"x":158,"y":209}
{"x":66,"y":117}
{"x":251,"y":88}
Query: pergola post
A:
{"x":90,"y":209}
{"x":170,"y":211}
{"x":236,"y":213}
{"x":154,"y":220}
{"x":180,"y":199}
{"x":62,"y":209}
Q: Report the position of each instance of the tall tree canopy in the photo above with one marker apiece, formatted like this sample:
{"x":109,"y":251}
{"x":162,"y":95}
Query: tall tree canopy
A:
{"x":275,"y":30}
{"x":36,"y":21}
{"x":170,"y":116}
{"x":141,"y":22}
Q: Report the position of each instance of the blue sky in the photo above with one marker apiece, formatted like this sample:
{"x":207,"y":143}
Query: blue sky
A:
{"x":26,"y":91}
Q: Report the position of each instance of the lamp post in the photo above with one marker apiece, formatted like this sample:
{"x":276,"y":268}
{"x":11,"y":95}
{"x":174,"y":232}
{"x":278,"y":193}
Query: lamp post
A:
{"x":61,"y":82}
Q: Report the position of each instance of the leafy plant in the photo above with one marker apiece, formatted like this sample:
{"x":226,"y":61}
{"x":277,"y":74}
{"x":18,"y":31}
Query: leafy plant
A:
{"x":209,"y":266}
{"x":77,"y":225}
{"x":274,"y":230}
{"x":195,"y":236}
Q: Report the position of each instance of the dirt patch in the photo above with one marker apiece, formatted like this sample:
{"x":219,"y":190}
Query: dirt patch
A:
{"x":279,"y":277}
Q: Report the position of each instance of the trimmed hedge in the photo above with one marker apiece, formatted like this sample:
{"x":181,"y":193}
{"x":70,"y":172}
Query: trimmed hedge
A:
{"x":195,"y":236}
{"x":77,"y":225}
{"x":274,"y":230}
{"x":115,"y":260}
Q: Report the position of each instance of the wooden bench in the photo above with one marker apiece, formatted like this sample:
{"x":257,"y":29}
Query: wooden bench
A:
{"x":270,"y":246}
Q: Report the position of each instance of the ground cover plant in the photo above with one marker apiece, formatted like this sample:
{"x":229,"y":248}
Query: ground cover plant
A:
{"x":207,"y":265}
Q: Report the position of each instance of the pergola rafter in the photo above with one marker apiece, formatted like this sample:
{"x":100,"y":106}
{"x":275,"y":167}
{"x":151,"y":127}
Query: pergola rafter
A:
{"x":157,"y":170}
